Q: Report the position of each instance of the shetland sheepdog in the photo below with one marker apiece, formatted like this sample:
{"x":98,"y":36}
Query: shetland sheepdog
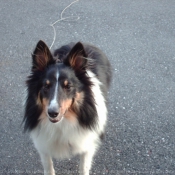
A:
{"x":65,"y":107}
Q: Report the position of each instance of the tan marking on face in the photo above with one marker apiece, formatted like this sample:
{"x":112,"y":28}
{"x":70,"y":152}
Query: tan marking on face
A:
{"x":65,"y":83}
{"x":45,"y":103}
{"x":66,"y":110}
{"x":79,"y":98}
{"x":64,"y":106}
{"x":47,"y":82}
{"x":74,"y":108}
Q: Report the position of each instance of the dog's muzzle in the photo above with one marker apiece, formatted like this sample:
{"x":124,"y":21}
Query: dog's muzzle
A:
{"x":54,"y":116}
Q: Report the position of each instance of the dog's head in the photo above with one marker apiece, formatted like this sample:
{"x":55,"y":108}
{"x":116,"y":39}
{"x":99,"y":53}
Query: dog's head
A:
{"x":60,"y":86}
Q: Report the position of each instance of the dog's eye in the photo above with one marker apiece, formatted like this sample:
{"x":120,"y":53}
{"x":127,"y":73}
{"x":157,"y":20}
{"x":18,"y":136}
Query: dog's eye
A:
{"x":46,"y":87}
{"x":67,"y":87}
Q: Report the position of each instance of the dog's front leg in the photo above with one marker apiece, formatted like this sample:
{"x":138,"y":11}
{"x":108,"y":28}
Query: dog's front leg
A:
{"x":86,"y":161}
{"x":47,"y":164}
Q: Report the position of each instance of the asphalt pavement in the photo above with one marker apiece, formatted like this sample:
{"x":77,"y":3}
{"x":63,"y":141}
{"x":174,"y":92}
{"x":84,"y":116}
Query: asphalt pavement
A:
{"x":139,"y":38}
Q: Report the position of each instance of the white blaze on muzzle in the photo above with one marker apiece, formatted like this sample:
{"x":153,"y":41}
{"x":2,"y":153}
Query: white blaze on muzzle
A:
{"x":53,"y":109}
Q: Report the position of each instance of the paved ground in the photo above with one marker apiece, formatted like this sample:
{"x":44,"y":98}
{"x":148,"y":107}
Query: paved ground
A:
{"x":139,"y":38}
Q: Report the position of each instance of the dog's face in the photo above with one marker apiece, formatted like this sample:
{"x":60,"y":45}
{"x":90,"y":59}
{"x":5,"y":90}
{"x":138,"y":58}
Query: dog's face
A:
{"x":60,"y":89}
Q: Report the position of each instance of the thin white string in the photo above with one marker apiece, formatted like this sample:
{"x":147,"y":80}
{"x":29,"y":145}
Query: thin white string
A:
{"x":74,"y":18}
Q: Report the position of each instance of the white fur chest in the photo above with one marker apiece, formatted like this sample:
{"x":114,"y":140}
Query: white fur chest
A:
{"x":63,"y":139}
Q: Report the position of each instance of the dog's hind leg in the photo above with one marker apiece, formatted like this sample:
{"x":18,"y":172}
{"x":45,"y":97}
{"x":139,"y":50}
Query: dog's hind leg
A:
{"x":47,"y":164}
{"x":86,"y":161}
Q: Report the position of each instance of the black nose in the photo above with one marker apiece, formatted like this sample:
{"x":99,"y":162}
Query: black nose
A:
{"x":52,"y":113}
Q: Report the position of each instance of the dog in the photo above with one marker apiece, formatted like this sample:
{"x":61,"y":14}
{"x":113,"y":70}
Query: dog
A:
{"x":66,"y":102}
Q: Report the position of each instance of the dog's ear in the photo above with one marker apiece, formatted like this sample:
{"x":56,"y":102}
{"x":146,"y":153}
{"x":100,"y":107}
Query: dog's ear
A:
{"x":77,"y":58}
{"x":42,"y":57}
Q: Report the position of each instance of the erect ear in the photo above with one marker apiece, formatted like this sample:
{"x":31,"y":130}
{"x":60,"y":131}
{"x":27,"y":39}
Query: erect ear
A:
{"x":77,"y":58}
{"x":42,"y":57}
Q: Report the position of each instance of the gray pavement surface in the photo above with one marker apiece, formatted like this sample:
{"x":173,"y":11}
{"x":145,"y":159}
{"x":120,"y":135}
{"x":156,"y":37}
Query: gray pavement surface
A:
{"x":139,"y":38}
